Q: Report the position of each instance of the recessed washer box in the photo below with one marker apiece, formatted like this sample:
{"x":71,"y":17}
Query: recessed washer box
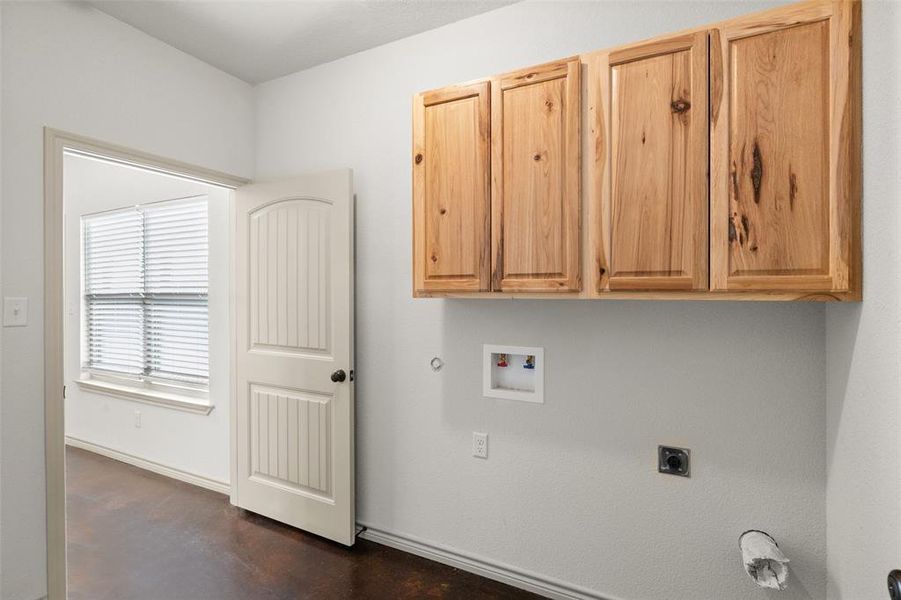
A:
{"x":513,"y":373}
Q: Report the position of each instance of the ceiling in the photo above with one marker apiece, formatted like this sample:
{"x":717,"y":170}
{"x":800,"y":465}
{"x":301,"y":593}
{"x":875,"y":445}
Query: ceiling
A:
{"x":259,"y":40}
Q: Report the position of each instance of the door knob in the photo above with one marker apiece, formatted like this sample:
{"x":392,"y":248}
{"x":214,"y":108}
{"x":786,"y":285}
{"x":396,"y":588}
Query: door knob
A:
{"x":339,"y":376}
{"x":894,"y":585}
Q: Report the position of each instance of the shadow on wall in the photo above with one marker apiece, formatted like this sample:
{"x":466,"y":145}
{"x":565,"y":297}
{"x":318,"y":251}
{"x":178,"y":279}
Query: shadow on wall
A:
{"x":857,"y":332}
{"x":843,"y":335}
{"x":863,"y":345}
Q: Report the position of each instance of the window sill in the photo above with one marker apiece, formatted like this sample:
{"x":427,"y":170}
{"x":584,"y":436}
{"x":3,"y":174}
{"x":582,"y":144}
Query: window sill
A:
{"x":175,"y":401}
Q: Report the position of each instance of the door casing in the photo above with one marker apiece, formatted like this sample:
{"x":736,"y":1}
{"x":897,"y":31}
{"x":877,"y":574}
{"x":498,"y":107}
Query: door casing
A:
{"x":56,"y":143}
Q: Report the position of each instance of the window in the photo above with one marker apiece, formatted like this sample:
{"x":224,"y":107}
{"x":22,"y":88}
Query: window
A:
{"x":145,"y":283}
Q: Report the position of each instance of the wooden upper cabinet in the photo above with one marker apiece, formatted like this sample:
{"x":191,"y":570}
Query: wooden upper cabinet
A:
{"x":451,"y":198}
{"x":535,"y":168}
{"x":723,"y":162}
{"x":785,"y":142}
{"x":649,"y":195}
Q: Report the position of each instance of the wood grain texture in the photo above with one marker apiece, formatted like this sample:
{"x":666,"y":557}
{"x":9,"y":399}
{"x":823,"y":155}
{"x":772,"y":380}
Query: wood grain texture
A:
{"x":846,"y":167}
{"x":849,"y":172}
{"x":656,"y":227}
{"x":702,"y":295}
{"x":451,"y":189}
{"x":825,"y":34}
{"x":597,"y":152}
{"x":658,"y":46}
{"x":536,"y":171}
{"x":778,"y":150}
{"x":783,"y":213}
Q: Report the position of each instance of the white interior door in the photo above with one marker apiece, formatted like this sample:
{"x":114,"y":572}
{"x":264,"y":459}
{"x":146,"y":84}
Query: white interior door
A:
{"x":294,"y":357}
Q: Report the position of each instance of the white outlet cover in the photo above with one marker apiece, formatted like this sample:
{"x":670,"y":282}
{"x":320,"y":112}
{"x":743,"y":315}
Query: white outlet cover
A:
{"x":479,"y":444}
{"x":15,"y":312}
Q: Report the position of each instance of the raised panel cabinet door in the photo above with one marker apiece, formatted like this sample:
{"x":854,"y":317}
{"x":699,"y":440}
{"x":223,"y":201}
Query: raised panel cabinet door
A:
{"x":785,"y":143}
{"x":451,"y":199}
{"x":535,"y":167}
{"x":651,"y":216}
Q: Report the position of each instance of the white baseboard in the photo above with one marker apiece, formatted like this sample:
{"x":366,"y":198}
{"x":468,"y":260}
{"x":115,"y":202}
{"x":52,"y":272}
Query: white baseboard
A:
{"x":532,"y":582}
{"x":199,"y":480}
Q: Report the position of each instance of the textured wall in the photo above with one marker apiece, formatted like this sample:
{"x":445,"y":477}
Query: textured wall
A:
{"x":863,"y":346}
{"x":569,"y":491}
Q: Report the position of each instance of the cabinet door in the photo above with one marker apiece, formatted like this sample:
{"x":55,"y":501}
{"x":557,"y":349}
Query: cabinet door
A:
{"x":653,"y":204}
{"x":785,"y":133}
{"x":535,"y":154}
{"x":451,"y":198}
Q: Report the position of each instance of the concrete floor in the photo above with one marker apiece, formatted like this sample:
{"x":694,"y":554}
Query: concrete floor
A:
{"x":135,"y":535}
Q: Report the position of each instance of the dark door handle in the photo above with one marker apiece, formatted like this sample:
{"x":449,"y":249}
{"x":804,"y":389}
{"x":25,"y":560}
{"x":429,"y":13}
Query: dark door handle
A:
{"x":894,"y":585}
{"x":339,"y":376}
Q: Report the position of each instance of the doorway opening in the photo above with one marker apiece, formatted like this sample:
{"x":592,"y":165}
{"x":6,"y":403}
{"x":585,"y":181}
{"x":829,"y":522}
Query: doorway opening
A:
{"x":138,"y":334}
{"x":203,"y":329}
{"x":146,"y":360}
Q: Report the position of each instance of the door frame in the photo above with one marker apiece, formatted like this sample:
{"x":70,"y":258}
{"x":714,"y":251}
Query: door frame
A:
{"x":56,"y":144}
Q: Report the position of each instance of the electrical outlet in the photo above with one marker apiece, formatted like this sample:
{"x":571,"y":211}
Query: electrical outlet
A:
{"x":479,"y":444}
{"x":138,"y":419}
{"x":674,"y":461}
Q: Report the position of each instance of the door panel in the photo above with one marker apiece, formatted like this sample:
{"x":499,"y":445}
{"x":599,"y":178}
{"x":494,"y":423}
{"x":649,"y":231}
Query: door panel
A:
{"x":290,"y":438}
{"x":657,"y":216}
{"x":779,"y":152}
{"x":533,"y":219}
{"x":535,"y":175}
{"x":781,"y":160}
{"x":294,"y":305}
{"x":289,"y":274}
{"x":450,"y":189}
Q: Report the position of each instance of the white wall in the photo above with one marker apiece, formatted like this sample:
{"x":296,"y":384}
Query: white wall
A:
{"x":67,"y":66}
{"x":196,"y":444}
{"x":1,"y":331}
{"x":569,"y":490}
{"x":863,"y":346}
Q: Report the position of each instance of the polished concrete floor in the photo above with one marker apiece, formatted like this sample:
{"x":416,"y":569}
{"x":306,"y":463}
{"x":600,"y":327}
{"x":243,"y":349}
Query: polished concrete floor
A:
{"x":135,"y":535}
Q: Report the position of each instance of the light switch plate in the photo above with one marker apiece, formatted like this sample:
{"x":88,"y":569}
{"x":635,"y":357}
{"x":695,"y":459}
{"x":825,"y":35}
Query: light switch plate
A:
{"x":15,"y":312}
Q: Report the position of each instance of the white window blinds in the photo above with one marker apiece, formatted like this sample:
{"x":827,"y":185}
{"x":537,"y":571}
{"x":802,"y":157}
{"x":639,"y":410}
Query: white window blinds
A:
{"x":145,"y":292}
